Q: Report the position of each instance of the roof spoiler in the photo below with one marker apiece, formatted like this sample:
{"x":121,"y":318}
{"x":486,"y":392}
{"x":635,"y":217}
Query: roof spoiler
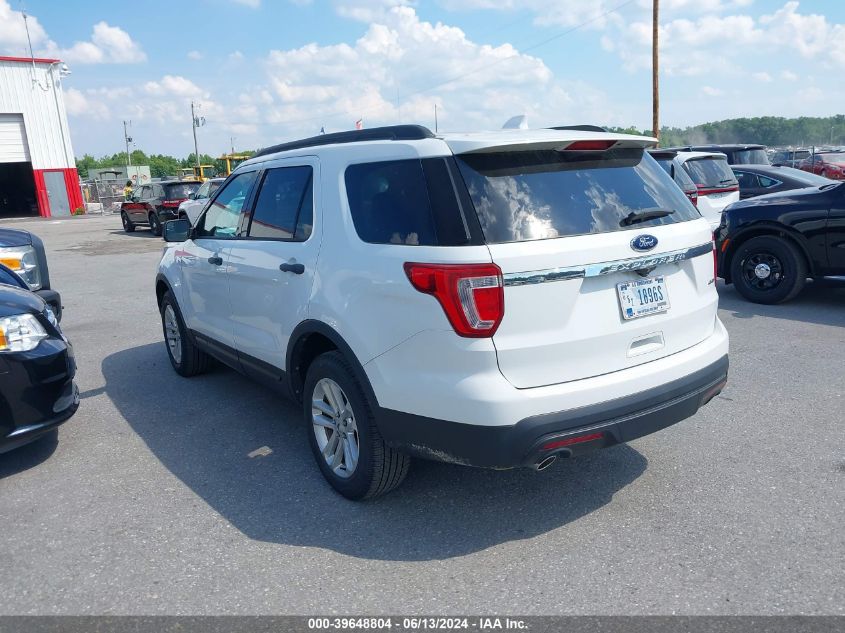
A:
{"x":386,"y":133}
{"x":582,"y":128}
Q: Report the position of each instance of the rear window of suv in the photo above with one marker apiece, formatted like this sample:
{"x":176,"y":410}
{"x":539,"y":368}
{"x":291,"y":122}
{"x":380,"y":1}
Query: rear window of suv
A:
{"x":533,"y":195}
{"x":710,"y":172}
{"x":180,"y":191}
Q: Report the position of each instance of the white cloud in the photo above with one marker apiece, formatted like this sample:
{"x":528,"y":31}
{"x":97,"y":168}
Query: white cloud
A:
{"x":78,"y":104}
{"x":253,"y":4}
{"x":811,"y":35}
{"x":195,"y":55}
{"x":788,"y":75}
{"x":236,"y":56}
{"x":402,"y":65}
{"x":762,"y":76}
{"x":13,"y":33}
{"x":108,"y":44}
{"x":710,"y":91}
{"x":175,"y":86}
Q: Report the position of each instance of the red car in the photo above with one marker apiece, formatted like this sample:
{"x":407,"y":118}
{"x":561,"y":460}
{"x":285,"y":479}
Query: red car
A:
{"x":829,"y":165}
{"x":156,"y":203}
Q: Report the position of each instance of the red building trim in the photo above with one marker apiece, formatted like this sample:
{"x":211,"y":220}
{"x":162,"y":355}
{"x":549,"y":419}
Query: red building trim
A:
{"x":41,"y":193}
{"x":74,"y":193}
{"x":29,"y":60}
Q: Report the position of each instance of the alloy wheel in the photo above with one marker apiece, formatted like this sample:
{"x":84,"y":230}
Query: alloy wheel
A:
{"x":171,"y":330}
{"x":335,"y":428}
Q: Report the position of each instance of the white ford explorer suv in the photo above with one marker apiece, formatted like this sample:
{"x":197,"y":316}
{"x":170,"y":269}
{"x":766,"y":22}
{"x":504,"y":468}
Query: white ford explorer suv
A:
{"x":497,"y":300}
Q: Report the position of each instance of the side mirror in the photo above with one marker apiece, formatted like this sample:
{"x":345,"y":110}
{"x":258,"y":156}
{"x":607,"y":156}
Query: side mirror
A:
{"x":176,"y":230}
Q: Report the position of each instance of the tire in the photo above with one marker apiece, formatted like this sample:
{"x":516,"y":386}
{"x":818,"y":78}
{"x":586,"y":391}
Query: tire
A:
{"x":127,"y":223}
{"x":188,"y":360}
{"x":155,"y":224}
{"x":379,"y":468}
{"x":768,"y":270}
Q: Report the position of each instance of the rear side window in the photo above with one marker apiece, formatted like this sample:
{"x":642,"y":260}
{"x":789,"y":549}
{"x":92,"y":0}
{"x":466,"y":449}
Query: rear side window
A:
{"x":285,"y":206}
{"x":413,"y":202}
{"x":751,"y":157}
{"x":746,"y":180}
{"x":710,"y":172}
{"x":534,"y":195}
{"x":389,"y":203}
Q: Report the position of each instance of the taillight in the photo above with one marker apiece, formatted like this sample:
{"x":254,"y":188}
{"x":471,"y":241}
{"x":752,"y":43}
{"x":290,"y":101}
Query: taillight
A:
{"x":471,"y":295}
{"x":173,"y":204}
{"x":589,"y":146}
{"x":693,"y":197}
{"x":715,"y":262}
{"x":704,"y":190}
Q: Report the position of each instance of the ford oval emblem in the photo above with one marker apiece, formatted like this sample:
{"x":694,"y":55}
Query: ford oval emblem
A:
{"x":643,"y":242}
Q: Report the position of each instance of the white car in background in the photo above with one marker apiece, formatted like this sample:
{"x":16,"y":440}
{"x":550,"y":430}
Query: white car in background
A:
{"x":716,"y":182}
{"x":191,"y":208}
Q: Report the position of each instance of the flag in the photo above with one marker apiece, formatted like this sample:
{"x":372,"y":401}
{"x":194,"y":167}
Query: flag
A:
{"x":359,"y":124}
{"x":323,"y":130}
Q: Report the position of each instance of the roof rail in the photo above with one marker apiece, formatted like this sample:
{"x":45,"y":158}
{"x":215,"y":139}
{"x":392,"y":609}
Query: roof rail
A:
{"x":386,"y":133}
{"x":582,"y":128}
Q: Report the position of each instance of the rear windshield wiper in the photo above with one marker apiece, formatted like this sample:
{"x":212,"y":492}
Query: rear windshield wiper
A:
{"x":635,"y":217}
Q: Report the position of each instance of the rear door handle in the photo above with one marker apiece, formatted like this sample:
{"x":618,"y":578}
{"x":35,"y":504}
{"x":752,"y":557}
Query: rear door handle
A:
{"x":296,"y":269}
{"x":216,"y":261}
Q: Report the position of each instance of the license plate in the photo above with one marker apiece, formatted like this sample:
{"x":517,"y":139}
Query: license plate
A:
{"x":642,"y":297}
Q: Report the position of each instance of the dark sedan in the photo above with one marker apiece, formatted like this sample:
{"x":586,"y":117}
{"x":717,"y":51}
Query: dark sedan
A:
{"x":759,"y":180}
{"x":37,"y":366}
{"x":769,"y":245}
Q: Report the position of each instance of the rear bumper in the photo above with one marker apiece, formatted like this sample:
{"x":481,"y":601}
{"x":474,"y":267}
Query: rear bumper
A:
{"x":522,"y":444}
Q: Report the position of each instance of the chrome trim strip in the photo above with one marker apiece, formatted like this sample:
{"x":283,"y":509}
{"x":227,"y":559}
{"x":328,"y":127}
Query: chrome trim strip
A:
{"x":605,"y":268}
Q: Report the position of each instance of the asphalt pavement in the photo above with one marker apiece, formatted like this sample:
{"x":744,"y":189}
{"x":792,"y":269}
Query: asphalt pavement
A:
{"x":148,"y":501}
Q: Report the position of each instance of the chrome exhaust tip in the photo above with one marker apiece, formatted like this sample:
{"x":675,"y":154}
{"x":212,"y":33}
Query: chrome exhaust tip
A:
{"x":545,"y":463}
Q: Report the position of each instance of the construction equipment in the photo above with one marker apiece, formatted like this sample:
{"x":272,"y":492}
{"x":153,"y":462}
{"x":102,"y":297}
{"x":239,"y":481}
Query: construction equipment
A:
{"x":231,"y":161}
{"x":198,"y":172}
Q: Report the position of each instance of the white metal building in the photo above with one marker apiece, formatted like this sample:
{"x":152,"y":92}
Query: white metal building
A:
{"x":37,"y":168}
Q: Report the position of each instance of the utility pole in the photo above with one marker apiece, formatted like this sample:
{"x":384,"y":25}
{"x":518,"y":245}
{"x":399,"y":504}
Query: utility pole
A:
{"x":232,"y":141}
{"x":194,"y":124}
{"x":127,"y":139}
{"x":435,"y":118}
{"x":655,"y":81}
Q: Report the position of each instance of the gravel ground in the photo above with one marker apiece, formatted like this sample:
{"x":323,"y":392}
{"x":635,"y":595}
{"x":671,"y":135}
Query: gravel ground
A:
{"x":147,"y":502}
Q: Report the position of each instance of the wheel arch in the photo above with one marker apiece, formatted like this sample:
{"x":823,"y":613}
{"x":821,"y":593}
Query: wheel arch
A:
{"x":760,"y":230}
{"x":307,"y":341}
{"x":162,"y":286}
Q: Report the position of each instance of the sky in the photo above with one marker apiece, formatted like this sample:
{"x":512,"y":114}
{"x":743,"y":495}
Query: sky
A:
{"x":267,"y":71}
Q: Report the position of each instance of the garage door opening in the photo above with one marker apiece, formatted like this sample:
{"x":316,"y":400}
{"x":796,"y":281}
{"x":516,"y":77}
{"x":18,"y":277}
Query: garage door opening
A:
{"x":17,"y":190}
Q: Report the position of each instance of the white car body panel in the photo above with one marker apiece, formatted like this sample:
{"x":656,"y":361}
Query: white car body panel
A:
{"x":571,"y":329}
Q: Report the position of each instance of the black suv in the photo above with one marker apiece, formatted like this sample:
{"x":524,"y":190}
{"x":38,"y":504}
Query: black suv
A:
{"x":154,"y":204}
{"x":737,"y":153}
